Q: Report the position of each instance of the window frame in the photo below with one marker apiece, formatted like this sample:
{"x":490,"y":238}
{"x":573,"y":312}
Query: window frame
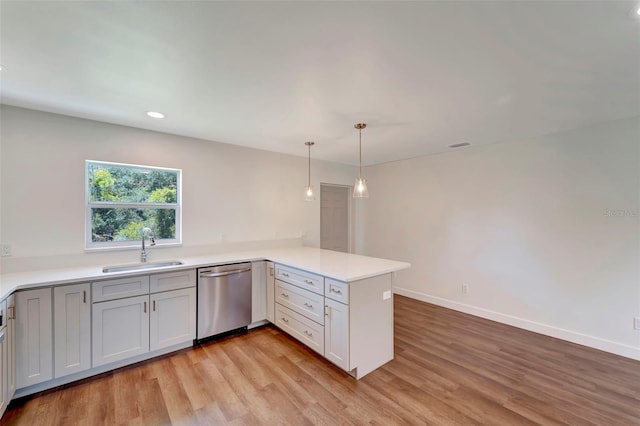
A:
{"x":131,"y":244}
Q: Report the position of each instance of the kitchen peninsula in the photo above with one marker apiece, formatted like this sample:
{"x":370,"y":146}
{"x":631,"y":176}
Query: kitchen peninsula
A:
{"x":338,"y":304}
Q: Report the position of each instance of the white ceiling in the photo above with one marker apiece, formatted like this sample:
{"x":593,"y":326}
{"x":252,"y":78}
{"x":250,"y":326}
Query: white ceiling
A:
{"x":272,"y":75}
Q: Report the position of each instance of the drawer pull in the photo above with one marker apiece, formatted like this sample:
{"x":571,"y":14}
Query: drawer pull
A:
{"x":284,"y":274}
{"x":284,"y":294}
{"x":333,"y":290}
{"x":145,"y":307}
{"x":285,"y":320}
{"x":308,"y":281}
{"x":84,"y":296}
{"x":308,"y":305}
{"x":308,"y":333}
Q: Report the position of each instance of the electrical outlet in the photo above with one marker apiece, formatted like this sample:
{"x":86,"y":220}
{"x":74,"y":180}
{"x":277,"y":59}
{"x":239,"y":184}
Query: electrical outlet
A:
{"x":636,"y":323}
{"x":386,"y":295}
{"x":465,"y":288}
{"x":6,"y":250}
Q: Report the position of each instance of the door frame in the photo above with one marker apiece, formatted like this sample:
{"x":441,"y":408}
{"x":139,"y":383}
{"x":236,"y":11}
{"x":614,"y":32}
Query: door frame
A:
{"x":350,"y":213}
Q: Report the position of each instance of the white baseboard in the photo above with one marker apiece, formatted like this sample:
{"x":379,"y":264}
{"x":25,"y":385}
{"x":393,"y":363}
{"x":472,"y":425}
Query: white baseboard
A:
{"x":559,"y":333}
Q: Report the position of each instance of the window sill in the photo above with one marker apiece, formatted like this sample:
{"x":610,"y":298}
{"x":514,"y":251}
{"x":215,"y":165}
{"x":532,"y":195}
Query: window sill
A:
{"x":137,"y":246}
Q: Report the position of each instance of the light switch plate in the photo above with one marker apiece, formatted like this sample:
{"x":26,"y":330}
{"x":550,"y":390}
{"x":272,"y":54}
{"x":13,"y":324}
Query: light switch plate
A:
{"x":386,"y":295}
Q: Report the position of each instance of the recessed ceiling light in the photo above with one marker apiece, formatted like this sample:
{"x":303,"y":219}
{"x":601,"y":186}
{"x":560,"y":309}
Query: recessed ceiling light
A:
{"x":638,"y":11}
{"x":155,"y":114}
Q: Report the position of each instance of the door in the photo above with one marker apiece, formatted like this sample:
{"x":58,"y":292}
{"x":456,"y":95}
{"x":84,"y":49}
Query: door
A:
{"x":334,"y":218}
{"x":336,"y":333}
{"x":34,"y":337}
{"x":173,"y":318}
{"x":120,"y":329}
{"x":72,"y":329}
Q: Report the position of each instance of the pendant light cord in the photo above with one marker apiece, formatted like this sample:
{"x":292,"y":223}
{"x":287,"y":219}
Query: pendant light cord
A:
{"x":360,"y":171}
{"x":309,"y":168}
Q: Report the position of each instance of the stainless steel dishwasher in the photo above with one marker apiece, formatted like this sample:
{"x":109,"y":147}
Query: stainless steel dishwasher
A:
{"x":224,"y":299}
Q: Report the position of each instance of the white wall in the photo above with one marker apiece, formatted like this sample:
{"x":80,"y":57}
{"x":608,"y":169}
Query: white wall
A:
{"x":545,"y":233}
{"x":244,"y":194}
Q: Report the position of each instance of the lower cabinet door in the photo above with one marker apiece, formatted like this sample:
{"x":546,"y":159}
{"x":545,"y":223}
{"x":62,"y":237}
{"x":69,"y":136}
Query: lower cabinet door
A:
{"x":4,"y":388}
{"x":11,"y":345}
{"x":71,"y":329}
{"x":120,"y":329}
{"x":173,"y":318}
{"x":34,"y":337}
{"x":271,"y":284}
{"x":336,"y":333}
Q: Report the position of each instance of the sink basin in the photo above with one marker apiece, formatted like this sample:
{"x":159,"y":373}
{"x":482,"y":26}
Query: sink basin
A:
{"x":141,"y":266}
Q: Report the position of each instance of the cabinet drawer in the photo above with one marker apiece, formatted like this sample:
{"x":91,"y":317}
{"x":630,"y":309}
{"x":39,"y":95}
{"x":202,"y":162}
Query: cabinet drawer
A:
{"x":172,"y":281}
{"x":304,"y":302}
{"x":312,"y":282}
{"x":120,"y":288}
{"x":303,"y":329}
{"x":336,"y":290}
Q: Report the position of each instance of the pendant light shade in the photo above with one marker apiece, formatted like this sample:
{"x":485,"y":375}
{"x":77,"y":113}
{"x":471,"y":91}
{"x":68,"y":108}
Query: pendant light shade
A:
{"x":360,"y":188}
{"x":308,"y":190}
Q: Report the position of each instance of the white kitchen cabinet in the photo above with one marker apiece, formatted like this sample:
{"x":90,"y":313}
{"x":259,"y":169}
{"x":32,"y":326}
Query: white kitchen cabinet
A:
{"x":172,"y":280}
{"x":173,"y":318}
{"x":71,"y":329}
{"x":271,"y":285}
{"x":336,"y":333}
{"x":34,"y":337}
{"x":258,"y":291}
{"x":4,"y":385}
{"x":11,"y":345}
{"x":356,"y":321}
{"x":120,"y":329}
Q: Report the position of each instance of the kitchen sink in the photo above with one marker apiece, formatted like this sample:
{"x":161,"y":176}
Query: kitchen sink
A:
{"x":141,"y":266}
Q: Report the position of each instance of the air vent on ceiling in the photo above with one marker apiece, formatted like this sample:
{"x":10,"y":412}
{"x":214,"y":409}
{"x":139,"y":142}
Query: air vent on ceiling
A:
{"x":459,"y":145}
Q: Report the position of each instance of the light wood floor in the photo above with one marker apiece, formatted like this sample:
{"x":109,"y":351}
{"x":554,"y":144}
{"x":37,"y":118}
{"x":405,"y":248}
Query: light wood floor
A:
{"x":450,"y":368}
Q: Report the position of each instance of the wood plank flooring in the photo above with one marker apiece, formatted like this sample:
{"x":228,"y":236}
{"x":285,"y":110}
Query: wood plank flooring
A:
{"x":450,"y":368}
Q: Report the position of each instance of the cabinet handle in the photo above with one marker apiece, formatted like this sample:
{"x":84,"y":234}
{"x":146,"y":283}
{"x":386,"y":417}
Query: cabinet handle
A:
{"x":284,"y":295}
{"x":285,"y":320}
{"x":308,"y":281}
{"x":326,"y":310}
{"x":271,"y":271}
{"x":154,"y":306}
{"x":145,"y":307}
{"x":284,"y":274}
{"x":11,"y":312}
{"x":308,"y":333}
{"x":308,"y":305}
{"x":84,"y":296}
{"x":333,"y":290}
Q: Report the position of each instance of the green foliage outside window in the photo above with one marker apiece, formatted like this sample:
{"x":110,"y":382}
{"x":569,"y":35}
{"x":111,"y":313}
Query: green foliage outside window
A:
{"x":149,"y":196}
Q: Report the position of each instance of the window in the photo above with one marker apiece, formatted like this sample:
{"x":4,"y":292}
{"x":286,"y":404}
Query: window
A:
{"x":123,"y":198}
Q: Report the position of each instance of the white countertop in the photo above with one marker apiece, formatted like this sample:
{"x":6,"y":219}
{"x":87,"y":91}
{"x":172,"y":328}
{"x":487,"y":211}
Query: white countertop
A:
{"x":340,"y":266}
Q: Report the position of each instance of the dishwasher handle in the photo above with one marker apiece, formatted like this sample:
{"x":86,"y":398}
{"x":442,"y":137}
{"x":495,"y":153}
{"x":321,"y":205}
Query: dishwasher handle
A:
{"x":225,"y":273}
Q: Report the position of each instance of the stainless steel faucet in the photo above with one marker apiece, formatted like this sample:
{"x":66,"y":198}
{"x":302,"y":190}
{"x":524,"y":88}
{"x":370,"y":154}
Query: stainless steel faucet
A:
{"x":152,"y":242}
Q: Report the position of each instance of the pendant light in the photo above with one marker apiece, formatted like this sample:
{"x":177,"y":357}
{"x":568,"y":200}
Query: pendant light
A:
{"x":360,"y":188}
{"x":308,"y":190}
